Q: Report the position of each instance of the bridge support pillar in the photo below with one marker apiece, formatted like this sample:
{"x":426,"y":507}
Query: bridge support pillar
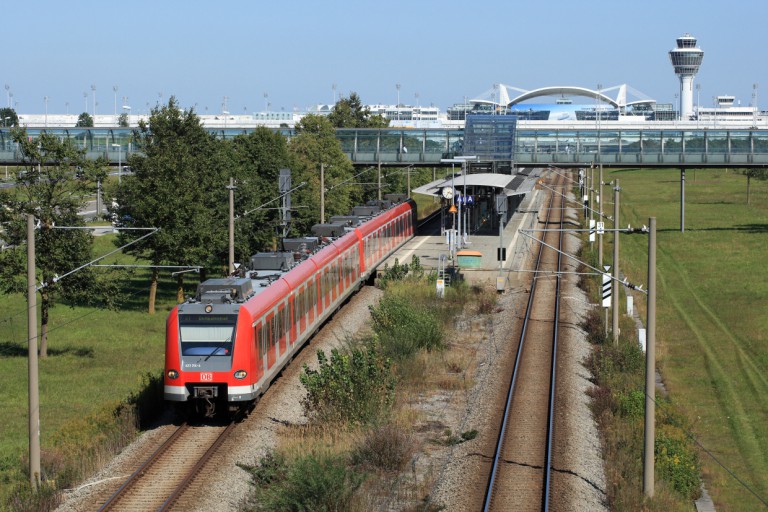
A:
{"x":682,"y":200}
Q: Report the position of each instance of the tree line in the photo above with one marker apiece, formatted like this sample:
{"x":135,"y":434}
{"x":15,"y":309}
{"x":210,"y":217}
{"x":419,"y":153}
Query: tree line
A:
{"x":179,"y":184}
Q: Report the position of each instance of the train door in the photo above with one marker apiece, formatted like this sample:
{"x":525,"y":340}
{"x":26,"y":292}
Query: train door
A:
{"x":335,"y":279}
{"x":327,"y":287}
{"x":312,"y":299}
{"x":272,"y":338}
{"x":282,"y":331}
{"x":258,"y":351}
{"x":320,"y":296}
{"x":302,"y":309}
{"x":356,"y":264}
{"x":347,"y":270}
{"x":266,"y":337}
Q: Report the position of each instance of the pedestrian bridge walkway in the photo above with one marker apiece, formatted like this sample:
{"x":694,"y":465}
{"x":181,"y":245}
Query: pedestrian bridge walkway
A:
{"x":521,"y":143}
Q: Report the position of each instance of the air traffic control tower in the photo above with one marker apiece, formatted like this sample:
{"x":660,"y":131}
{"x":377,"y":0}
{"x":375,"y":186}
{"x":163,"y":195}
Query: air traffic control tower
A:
{"x":686,"y":59}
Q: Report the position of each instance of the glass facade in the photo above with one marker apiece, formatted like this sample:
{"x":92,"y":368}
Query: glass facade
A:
{"x":491,"y":138}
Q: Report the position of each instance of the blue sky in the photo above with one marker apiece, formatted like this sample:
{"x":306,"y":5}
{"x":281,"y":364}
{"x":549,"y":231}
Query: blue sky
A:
{"x":294,"y":51}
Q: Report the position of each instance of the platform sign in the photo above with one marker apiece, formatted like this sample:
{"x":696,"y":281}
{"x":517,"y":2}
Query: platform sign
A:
{"x":600,"y":228}
{"x":607,"y":288}
{"x":441,"y":288}
{"x":591,"y":230}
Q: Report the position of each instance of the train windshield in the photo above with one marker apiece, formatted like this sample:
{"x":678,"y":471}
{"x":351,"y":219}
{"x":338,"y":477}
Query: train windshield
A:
{"x":207,"y":335}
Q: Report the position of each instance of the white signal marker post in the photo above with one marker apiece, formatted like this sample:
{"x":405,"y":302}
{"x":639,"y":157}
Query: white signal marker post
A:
{"x":606,"y":295}
{"x":607,"y":287}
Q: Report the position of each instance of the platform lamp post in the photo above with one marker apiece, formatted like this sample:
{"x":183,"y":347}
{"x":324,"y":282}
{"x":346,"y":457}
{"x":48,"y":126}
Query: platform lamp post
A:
{"x":397,"y":86}
{"x":698,"y":104}
{"x":452,"y":198}
{"x":127,"y":112}
{"x":464,"y":170}
{"x":119,"y":162}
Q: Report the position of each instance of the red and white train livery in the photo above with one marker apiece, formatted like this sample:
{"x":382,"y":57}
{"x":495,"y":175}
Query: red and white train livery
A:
{"x":228,"y":343}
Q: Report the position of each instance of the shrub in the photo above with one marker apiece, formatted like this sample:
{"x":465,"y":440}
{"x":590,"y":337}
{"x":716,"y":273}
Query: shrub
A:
{"x":404,"y":328}
{"x":356,"y":386}
{"x":632,"y":404}
{"x":677,"y":461}
{"x":594,"y":326}
{"x":311,"y":482}
{"x":398,"y":272}
{"x":148,"y":401}
{"x":24,"y":499}
{"x":386,"y":447}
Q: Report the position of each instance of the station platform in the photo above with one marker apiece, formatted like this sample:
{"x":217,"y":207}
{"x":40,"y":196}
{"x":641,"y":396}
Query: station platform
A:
{"x":429,"y":249}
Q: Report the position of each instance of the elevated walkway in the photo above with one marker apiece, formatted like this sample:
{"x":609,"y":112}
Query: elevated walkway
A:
{"x":578,"y":144}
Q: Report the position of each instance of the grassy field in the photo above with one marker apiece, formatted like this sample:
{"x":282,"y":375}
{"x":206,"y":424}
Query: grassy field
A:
{"x":712,"y":335}
{"x":96,"y":359}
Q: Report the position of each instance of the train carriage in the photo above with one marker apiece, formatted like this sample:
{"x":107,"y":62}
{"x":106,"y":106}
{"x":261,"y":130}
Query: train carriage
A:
{"x":228,"y":344}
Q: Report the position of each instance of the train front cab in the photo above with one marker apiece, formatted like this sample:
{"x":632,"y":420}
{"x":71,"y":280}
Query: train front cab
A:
{"x":208,"y":357}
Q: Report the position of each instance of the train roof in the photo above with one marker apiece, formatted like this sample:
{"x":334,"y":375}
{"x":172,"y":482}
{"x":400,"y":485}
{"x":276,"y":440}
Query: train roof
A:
{"x":272,"y":274}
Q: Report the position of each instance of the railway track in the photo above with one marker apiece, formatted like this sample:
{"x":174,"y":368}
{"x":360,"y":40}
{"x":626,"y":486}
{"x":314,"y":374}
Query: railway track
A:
{"x":164,"y":476}
{"x":521,"y":469}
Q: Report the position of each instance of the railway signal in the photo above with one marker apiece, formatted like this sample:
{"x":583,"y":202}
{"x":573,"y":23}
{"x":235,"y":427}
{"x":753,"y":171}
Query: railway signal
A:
{"x":607,"y":287}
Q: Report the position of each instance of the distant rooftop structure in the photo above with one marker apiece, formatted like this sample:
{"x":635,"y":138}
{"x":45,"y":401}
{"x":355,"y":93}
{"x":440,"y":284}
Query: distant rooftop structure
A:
{"x":499,"y":97}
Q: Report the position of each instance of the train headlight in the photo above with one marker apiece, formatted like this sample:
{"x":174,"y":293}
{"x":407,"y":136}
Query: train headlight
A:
{"x":173,"y":374}
{"x":240,"y":374}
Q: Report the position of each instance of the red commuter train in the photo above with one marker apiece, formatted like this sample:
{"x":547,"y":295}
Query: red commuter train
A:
{"x":225,"y":346}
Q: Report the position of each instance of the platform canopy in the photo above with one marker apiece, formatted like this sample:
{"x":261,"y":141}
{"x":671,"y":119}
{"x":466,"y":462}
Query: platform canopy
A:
{"x":510,"y":185}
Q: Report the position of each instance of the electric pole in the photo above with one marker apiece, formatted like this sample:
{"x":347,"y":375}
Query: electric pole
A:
{"x":34,"y":396}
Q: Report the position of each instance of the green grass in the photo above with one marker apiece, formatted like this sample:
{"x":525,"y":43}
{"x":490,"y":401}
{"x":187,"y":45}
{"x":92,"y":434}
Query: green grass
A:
{"x":97,"y":358}
{"x":712,"y":327}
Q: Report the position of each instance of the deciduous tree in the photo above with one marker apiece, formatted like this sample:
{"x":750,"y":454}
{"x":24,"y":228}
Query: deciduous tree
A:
{"x":8,"y":117}
{"x":351,"y":113}
{"x":53,"y":185}
{"x":315,"y":146}
{"x":178,"y":185}
{"x":758,"y":173}
{"x":84,"y":120}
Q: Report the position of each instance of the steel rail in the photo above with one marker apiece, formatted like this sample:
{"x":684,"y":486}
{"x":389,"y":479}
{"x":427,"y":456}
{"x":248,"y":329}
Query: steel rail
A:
{"x":515,"y":372}
{"x":197,"y":468}
{"x":553,"y":375}
{"x":134,"y":478}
